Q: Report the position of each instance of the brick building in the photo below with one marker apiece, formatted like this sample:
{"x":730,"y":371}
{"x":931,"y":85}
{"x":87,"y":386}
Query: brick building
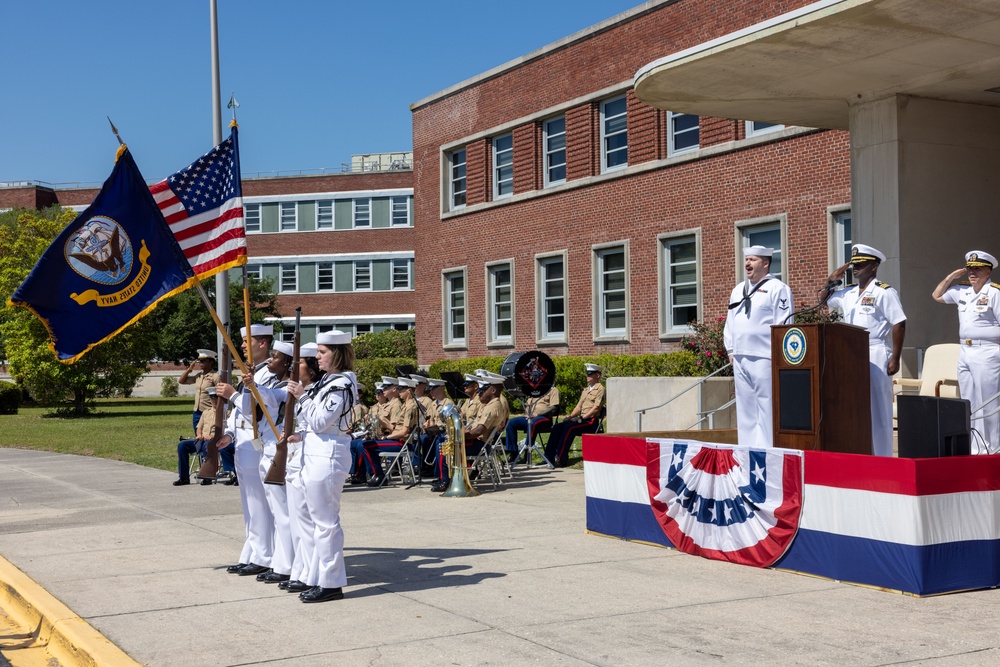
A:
{"x":555,"y":210}
{"x":340,"y":245}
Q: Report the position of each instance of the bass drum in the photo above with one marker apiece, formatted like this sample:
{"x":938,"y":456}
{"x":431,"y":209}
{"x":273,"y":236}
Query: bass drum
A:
{"x":530,"y":373}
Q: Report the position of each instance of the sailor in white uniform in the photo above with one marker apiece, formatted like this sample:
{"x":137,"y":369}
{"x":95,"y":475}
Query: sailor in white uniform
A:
{"x":757,"y":303}
{"x":875,"y":306}
{"x":978,"y":303}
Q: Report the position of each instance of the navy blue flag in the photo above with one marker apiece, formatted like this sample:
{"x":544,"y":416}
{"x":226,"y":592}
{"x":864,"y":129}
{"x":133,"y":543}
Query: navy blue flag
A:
{"x":110,"y":267}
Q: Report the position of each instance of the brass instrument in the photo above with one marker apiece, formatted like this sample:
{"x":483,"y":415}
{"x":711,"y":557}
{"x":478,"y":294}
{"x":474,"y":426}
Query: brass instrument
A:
{"x":454,"y":446}
{"x":276,"y":473}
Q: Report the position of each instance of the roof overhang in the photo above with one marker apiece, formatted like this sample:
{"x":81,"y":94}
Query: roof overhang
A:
{"x":807,"y":66}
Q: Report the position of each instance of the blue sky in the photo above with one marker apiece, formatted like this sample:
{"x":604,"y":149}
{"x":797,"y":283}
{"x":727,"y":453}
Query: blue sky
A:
{"x":317,"y":80}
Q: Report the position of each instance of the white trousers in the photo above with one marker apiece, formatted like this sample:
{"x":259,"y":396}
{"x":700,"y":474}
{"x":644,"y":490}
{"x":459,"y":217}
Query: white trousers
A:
{"x":277,"y":503}
{"x":978,"y":380}
{"x":259,"y":545}
{"x":299,"y":524}
{"x":881,"y":400}
{"x":325,"y":466}
{"x":752,"y":377}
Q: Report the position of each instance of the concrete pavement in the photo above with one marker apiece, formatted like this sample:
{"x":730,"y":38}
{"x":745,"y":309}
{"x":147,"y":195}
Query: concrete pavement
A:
{"x":508,"y":578}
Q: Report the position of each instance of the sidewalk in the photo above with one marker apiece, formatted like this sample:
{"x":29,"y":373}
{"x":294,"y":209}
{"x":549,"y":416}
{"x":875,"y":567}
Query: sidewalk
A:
{"x":508,"y":578}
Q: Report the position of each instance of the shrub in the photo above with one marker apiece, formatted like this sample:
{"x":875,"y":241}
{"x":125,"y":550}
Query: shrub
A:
{"x":386,"y":344}
{"x":169,"y":387}
{"x":10,"y":398}
{"x":370,"y":371}
{"x":708,"y":347}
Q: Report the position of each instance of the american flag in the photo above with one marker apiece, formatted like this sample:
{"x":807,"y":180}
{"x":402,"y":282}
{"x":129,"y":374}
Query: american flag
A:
{"x":203,"y":205}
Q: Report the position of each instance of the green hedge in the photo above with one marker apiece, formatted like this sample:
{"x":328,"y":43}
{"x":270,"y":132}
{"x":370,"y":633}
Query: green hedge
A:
{"x":370,"y":371}
{"x":570,"y":376}
{"x":386,"y":344}
{"x":10,"y":398}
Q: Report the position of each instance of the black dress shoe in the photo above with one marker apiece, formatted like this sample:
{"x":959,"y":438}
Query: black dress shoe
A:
{"x":181,"y":482}
{"x":206,"y":482}
{"x":272,"y":577}
{"x":440,"y":485}
{"x":355,"y":480}
{"x":317,"y":594}
{"x":260,"y":577}
{"x":297,"y":587}
{"x":232,"y":481}
{"x":235,"y":569}
{"x":376,"y":481}
{"x":251,"y":570}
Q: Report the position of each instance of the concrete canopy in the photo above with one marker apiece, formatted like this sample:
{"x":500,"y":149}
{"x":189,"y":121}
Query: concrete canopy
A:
{"x":807,"y":66}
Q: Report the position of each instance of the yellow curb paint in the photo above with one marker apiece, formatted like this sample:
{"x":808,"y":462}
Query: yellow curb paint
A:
{"x":69,"y":638}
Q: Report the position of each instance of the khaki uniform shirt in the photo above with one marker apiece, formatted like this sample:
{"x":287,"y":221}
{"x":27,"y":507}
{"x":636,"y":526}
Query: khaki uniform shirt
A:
{"x":428,"y":407}
{"x":590,"y":397}
{"x":537,"y":406}
{"x":470,"y":409}
{"x":202,"y":383}
{"x":206,"y":424}
{"x":404,"y":415}
{"x":492,"y":415}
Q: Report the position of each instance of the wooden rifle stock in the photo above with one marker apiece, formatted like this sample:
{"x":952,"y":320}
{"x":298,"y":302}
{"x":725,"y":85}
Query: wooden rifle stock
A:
{"x":210,"y":468}
{"x":276,"y":473}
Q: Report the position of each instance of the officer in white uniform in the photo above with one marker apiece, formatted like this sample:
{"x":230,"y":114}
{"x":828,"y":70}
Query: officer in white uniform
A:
{"x":875,"y":306}
{"x":255,"y":559}
{"x":757,"y":303}
{"x":979,"y":333}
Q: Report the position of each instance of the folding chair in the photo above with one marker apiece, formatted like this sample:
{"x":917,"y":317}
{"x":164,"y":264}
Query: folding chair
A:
{"x":401,"y":462}
{"x":485,"y":462}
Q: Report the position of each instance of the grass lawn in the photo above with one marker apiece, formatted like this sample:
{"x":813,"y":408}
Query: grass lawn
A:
{"x":138,"y":430}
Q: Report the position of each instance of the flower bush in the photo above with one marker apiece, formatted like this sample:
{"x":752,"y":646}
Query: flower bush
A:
{"x":706,"y":343}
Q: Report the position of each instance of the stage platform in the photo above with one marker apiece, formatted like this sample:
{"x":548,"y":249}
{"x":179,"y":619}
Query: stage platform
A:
{"x":919,"y":526}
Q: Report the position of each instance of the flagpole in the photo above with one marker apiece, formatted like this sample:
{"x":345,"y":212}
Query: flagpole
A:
{"x":221,"y":278}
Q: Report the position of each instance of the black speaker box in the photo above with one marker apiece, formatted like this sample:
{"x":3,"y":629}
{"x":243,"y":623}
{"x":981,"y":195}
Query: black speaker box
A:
{"x":930,"y":427}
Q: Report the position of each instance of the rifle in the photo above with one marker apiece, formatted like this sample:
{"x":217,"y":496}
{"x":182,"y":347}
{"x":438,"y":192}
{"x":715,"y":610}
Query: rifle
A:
{"x":276,"y":473}
{"x":210,"y":468}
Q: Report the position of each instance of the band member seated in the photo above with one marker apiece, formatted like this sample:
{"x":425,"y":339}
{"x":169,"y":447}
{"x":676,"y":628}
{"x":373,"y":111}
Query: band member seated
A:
{"x":203,"y":433}
{"x":401,"y":424}
{"x":433,"y":428}
{"x":489,"y":417}
{"x":470,"y":406}
{"x":539,"y":410}
{"x":376,"y":428}
{"x":585,"y":418}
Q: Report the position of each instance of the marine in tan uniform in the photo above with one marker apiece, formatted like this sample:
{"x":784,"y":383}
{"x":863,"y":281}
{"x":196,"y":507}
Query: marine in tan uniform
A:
{"x":204,"y":377}
{"x":585,"y":418}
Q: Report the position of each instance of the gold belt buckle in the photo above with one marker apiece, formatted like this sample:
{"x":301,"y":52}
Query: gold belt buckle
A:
{"x":968,"y":341}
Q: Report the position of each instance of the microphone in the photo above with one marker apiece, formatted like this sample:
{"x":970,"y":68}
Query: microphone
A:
{"x":833,"y":283}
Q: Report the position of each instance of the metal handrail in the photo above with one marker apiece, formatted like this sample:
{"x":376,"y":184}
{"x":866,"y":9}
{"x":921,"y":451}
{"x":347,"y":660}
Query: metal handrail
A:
{"x":710,"y":415}
{"x":641,"y":411}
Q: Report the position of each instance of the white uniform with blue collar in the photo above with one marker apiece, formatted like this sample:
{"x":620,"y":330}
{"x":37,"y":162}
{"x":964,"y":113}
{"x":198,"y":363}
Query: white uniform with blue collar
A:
{"x":325,"y":414}
{"x":747,"y":337}
{"x":979,"y":357}
{"x":877,"y":309}
{"x":274,"y":398}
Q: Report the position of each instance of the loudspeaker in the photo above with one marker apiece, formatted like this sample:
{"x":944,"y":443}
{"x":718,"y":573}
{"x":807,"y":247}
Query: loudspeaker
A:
{"x":930,"y":427}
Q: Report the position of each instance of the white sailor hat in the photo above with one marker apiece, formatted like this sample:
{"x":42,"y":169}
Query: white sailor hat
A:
{"x":286,"y":349}
{"x":308,"y":350}
{"x":861,"y":253}
{"x":258,"y":330}
{"x":480,"y":372}
{"x":388,"y":382}
{"x":406,"y":382}
{"x":593,"y":368}
{"x":333,"y":338}
{"x":379,"y":387}
{"x":487,"y":378}
{"x":206,"y":354}
{"x":470,"y":378}
{"x":435,"y":382}
{"x":980,"y":258}
{"x":419,"y":379}
{"x":758,"y":251}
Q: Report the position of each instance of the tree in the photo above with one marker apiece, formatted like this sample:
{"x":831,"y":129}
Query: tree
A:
{"x":111,"y":368}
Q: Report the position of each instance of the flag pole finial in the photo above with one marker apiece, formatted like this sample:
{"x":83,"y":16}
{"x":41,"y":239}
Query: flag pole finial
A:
{"x":121,"y":144}
{"x":234,"y":105}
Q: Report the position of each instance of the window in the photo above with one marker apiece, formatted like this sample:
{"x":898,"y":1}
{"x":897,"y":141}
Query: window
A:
{"x":682,"y":133}
{"x":400,"y":211}
{"x":768,"y":235}
{"x":289,"y":216}
{"x":503,"y":166}
{"x":680,"y":283}
{"x":551,"y":298}
{"x":554,"y":147}
{"x":843,"y":239}
{"x":501,"y":303}
{"x":362,"y":276}
{"x":757,"y":127}
{"x":400,"y":274}
{"x":402,"y":326}
{"x":324,"y":277}
{"x":362,"y":329}
{"x":612,"y":292}
{"x":614,"y":134}
{"x":362,"y":212}
{"x":289,"y":278}
{"x":454,"y":307}
{"x":251,"y":217}
{"x":286,"y":334}
{"x":456,"y":180}
{"x":255,"y":272}
{"x":324,"y":214}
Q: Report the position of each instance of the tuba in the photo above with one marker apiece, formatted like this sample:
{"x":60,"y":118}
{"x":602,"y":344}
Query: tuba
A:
{"x":454,"y":446}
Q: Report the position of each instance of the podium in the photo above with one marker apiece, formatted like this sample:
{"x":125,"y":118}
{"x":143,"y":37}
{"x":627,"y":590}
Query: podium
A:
{"x":821,"y":388}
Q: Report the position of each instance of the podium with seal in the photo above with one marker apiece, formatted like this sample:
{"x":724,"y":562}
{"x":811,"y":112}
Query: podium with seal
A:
{"x":820,"y":387}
